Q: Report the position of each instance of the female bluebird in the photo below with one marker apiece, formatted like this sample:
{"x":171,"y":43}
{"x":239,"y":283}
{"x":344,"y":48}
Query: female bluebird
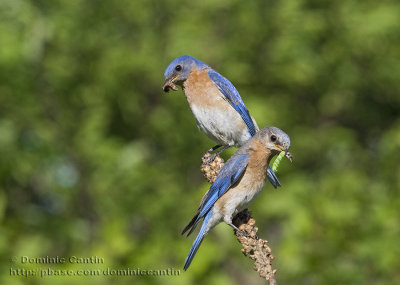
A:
{"x":215,"y":103}
{"x":240,"y":180}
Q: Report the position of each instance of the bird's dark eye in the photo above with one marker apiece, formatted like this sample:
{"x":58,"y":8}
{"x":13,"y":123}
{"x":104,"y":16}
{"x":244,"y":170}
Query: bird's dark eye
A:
{"x":178,"y":67}
{"x":273,"y":138}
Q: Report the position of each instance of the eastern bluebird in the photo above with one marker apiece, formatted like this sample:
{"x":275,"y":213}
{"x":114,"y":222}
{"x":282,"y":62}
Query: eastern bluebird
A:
{"x":215,"y":103}
{"x":240,"y":180}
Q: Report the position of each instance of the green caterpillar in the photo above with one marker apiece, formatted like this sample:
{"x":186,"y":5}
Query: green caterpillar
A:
{"x":277,"y":161}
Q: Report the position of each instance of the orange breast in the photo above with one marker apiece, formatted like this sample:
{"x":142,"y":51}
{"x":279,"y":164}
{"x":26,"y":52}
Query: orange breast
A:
{"x":201,"y":91}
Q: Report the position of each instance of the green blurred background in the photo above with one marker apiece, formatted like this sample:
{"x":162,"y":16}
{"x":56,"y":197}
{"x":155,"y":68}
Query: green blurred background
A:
{"x":96,"y":161}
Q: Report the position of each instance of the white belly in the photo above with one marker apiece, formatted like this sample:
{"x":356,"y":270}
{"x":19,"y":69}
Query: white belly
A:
{"x":240,"y":196}
{"x":226,"y":128}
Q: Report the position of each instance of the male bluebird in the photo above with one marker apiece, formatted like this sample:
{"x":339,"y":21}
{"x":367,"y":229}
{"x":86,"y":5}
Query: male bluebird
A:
{"x":240,"y":181}
{"x":215,"y":103}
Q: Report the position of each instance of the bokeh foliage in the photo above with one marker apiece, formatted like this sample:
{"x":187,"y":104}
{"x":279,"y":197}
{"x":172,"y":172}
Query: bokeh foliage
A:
{"x":96,"y":160}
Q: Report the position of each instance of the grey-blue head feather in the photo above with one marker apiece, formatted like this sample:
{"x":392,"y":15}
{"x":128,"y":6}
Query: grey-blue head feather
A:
{"x":182,"y":66}
{"x":272,"y":137}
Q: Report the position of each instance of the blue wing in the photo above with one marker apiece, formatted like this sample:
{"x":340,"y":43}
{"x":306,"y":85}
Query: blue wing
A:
{"x":229,"y":174}
{"x":226,"y":178}
{"x":233,"y":97}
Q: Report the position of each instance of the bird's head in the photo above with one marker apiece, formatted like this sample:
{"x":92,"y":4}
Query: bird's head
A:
{"x":275,"y":140}
{"x":178,"y":71}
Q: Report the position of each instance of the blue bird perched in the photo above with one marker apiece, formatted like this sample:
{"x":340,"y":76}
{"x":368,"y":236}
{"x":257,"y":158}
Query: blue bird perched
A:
{"x":240,"y":180}
{"x":215,"y":103}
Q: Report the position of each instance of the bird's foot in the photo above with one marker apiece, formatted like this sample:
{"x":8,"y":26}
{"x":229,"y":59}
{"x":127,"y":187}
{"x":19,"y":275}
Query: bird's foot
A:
{"x":243,"y":233}
{"x":208,"y":157}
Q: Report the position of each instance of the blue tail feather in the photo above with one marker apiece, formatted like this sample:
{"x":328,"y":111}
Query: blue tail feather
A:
{"x":198,"y":240}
